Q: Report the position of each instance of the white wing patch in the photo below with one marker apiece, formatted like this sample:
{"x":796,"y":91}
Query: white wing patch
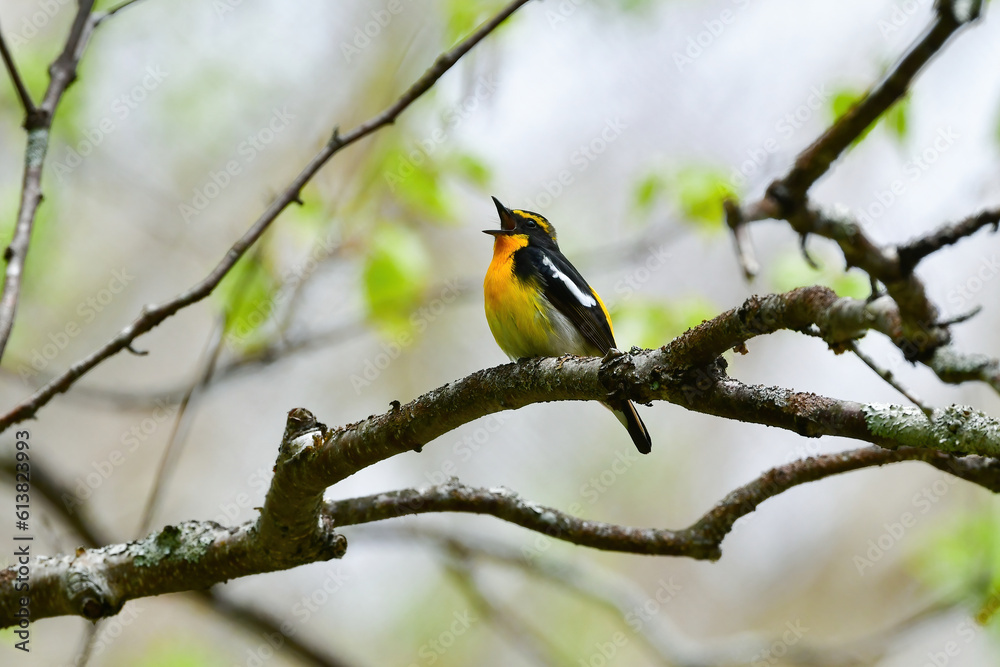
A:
{"x":585,"y":299}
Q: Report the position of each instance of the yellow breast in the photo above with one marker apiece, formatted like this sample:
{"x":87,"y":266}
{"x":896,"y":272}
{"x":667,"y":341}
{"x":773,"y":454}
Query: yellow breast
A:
{"x":516,"y":312}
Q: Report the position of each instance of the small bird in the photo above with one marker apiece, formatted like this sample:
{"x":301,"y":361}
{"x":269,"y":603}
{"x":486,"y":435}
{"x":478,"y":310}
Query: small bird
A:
{"x":538,"y":304}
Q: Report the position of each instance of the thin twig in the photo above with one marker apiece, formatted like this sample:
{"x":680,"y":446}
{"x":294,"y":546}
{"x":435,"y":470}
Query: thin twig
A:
{"x":114,"y":10}
{"x":521,"y":635}
{"x":182,"y":422}
{"x":912,"y":252}
{"x":890,"y":379}
{"x":15,"y":77}
{"x":154,"y":315}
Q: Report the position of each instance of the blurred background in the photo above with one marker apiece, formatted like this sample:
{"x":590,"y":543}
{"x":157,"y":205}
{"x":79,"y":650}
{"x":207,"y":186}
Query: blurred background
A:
{"x":623,"y":123}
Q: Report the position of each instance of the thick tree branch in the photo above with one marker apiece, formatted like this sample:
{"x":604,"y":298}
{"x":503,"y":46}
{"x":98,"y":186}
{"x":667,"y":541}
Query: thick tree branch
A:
{"x":248,"y":617}
{"x":152,"y":316}
{"x":294,"y":529}
{"x":95,"y":583}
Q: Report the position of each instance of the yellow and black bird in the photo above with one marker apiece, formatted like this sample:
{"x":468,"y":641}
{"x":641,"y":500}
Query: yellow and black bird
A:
{"x":538,"y":304}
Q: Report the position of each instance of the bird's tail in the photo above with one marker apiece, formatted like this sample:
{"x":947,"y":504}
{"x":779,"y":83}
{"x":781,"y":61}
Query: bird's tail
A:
{"x":630,"y":419}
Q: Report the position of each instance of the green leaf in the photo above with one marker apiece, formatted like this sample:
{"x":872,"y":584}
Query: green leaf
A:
{"x":648,"y":191}
{"x":248,"y":297}
{"x":417,"y":186}
{"x":312,"y":216}
{"x":897,"y":119}
{"x":179,"y":653}
{"x":699,"y":192}
{"x":396,"y":275}
{"x":651,"y":323}
{"x":462,"y":17}
{"x":472,"y":169}
{"x":961,"y":559}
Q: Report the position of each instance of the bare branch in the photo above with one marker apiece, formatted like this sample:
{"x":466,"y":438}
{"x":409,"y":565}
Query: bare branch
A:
{"x":15,"y":77}
{"x":911,"y":253}
{"x":152,"y":316}
{"x":815,"y":160}
{"x":920,"y":334}
{"x":702,"y":540}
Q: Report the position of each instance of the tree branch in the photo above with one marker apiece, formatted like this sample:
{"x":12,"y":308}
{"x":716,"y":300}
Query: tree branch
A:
{"x":815,"y":160}
{"x":920,"y":334}
{"x":252,"y":619}
{"x":152,"y":316}
{"x":15,"y":77}
{"x":294,"y":529}
{"x":911,"y":253}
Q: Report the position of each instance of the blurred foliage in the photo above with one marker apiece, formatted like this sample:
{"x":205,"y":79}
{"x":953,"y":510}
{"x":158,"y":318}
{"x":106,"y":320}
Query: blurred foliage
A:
{"x":181,"y":653}
{"x":396,"y":275}
{"x":895,"y":119}
{"x":651,"y":323}
{"x":791,"y":270}
{"x":696,"y":191}
{"x":248,"y":296}
{"x":961,"y":560}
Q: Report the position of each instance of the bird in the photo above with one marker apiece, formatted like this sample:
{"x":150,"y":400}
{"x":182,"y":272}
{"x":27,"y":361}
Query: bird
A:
{"x":538,"y":304}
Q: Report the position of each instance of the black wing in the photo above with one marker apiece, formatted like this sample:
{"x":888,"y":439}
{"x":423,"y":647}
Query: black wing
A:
{"x":566,"y":289}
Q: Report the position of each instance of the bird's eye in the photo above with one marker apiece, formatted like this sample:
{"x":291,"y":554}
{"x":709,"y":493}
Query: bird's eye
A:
{"x":531,"y":224}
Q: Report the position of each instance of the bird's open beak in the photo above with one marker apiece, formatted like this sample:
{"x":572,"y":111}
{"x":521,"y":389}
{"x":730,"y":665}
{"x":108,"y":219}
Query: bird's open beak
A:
{"x":507,"y":221}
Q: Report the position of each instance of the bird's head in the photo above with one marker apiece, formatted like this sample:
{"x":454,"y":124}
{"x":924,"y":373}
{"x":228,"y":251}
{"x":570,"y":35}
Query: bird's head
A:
{"x":532,"y":228}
